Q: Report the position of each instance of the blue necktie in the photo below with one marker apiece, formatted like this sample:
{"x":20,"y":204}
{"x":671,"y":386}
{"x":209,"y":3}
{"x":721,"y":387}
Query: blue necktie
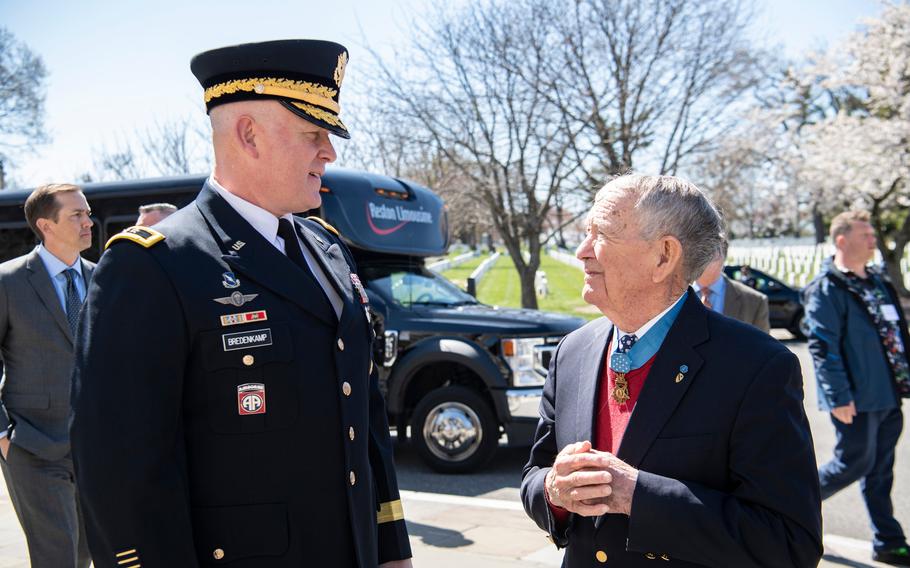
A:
{"x":626,"y":342}
{"x":72,"y":299}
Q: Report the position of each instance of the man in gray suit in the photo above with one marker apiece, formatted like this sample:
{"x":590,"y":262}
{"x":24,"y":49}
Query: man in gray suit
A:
{"x":41,"y":294}
{"x":731,"y":298}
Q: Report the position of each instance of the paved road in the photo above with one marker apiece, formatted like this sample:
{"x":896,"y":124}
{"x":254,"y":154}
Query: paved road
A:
{"x":476,"y":520}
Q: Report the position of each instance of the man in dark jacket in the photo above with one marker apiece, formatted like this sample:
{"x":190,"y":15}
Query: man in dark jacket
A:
{"x":858,"y":340}
{"x":227,"y":410}
{"x":668,"y":431}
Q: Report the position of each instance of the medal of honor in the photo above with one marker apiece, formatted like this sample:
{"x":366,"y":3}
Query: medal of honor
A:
{"x":621,"y":364}
{"x":621,"y":390}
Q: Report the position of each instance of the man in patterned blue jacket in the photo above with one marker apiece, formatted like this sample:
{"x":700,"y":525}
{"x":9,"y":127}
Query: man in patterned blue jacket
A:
{"x":858,"y":340}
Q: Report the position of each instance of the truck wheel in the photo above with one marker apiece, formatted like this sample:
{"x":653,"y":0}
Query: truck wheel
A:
{"x":454,"y":430}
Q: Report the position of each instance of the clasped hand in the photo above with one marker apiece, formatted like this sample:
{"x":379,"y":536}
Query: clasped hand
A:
{"x":590,"y":482}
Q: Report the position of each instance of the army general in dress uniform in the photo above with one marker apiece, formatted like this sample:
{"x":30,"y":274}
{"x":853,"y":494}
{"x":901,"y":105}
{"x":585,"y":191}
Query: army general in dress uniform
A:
{"x":226,"y":406}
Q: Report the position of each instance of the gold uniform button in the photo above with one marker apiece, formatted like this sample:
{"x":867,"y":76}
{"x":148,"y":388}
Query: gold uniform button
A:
{"x":340,"y":344}
{"x":248,"y":360}
{"x":218,"y":554}
{"x":650,"y":555}
{"x":351,"y":433}
{"x":346,"y":388}
{"x":353,"y":478}
{"x":601,"y":556}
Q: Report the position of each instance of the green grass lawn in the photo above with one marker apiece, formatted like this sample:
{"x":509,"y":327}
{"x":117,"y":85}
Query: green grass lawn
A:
{"x":501,"y":287}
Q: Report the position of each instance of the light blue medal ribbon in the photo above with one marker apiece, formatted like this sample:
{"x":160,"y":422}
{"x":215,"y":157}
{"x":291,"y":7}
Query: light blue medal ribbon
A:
{"x":646,"y":346}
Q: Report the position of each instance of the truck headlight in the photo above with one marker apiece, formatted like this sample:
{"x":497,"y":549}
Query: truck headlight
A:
{"x":525,"y":356}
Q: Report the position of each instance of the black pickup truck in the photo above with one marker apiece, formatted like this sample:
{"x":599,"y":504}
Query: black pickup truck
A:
{"x":457,"y":374}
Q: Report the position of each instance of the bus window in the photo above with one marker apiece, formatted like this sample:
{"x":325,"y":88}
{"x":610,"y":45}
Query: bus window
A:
{"x":15,"y":242}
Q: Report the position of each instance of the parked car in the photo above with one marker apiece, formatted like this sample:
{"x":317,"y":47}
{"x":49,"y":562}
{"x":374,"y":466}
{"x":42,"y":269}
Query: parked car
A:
{"x":784,"y":303}
{"x":457,"y":374}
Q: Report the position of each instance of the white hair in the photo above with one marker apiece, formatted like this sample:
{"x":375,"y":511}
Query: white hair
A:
{"x":671,"y":206}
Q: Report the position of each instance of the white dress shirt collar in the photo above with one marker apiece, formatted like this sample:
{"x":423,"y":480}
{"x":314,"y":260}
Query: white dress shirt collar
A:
{"x":640,"y":332}
{"x":264,"y":222}
{"x":54,"y":265}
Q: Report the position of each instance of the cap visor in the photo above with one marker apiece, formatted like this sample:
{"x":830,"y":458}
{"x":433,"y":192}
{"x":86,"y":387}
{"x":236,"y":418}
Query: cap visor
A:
{"x":300,"y":109}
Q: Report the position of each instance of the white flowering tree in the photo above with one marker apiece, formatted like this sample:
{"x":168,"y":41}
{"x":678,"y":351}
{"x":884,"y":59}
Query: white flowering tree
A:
{"x":756,"y":174}
{"x":750,"y":176}
{"x":860,"y":156}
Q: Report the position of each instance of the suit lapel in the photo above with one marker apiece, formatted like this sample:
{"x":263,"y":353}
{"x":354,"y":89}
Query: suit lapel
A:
{"x":662,"y":393}
{"x":257,"y":259}
{"x":88,"y":269}
{"x":589,"y":380}
{"x":40,"y":280}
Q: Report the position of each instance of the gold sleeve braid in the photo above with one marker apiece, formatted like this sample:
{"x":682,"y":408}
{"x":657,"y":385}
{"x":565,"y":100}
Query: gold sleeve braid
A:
{"x":389,"y":512}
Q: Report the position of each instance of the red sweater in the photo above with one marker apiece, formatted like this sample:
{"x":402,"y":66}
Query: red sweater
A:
{"x":611,"y":418}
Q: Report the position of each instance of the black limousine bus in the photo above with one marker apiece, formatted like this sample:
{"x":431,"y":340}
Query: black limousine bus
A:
{"x":457,"y":374}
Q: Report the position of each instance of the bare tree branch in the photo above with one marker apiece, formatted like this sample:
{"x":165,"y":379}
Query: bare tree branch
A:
{"x":22,"y":87}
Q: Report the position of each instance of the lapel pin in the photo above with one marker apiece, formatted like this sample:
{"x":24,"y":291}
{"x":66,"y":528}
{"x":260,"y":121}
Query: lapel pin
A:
{"x":229,"y":281}
{"x":238,"y":245}
{"x":683,"y":369}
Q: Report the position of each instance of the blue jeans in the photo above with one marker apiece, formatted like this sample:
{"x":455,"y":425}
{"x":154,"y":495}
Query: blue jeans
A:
{"x":865,"y":452}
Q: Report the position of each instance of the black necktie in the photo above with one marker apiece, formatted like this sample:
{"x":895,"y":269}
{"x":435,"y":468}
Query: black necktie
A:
{"x":292,"y":249}
{"x":73,"y":301}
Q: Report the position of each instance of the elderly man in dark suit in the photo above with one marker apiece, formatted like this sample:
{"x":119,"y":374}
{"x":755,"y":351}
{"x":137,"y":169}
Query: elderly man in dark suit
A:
{"x":729,"y":297}
{"x":41,"y":296}
{"x":667,"y":431}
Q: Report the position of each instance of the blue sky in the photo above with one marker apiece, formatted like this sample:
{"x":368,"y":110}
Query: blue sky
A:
{"x":117,"y":67}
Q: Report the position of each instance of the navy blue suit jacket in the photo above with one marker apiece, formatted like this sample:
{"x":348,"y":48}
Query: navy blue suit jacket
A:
{"x":727,"y":467}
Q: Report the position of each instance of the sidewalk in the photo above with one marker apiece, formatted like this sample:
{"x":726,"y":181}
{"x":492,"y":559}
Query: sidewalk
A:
{"x":13,"y":553}
{"x":452,"y":532}
{"x":491,"y":534}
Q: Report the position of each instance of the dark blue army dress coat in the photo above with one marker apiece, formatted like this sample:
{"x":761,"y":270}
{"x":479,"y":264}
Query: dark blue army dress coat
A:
{"x":222,"y":415}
